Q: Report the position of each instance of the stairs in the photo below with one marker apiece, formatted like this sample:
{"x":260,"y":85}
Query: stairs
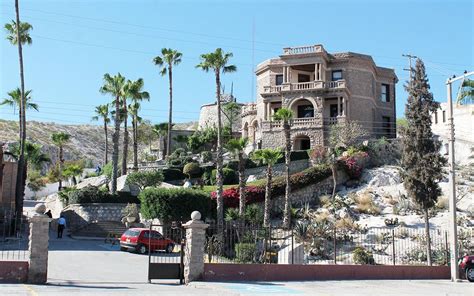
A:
{"x":101,"y":229}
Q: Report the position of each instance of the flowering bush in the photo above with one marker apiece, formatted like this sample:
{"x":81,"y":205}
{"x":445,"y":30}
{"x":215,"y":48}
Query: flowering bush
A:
{"x":318,"y":155}
{"x":354,"y":162}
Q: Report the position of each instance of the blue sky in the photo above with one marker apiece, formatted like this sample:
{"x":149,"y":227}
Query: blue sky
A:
{"x":76,"y":42}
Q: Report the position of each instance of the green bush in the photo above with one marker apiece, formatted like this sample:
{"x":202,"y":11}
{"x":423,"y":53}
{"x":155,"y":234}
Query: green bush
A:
{"x":298,"y":155}
{"x":107,"y":170}
{"x":362,"y":256}
{"x":229,"y":176}
{"x":173,"y":175}
{"x":92,"y":194}
{"x":233,"y":165}
{"x":206,"y":156}
{"x":175,"y":204}
{"x":245,"y":252}
{"x":144,"y":179}
{"x":192,"y":169}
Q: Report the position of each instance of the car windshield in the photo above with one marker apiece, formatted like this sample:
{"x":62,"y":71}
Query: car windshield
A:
{"x":131,"y":232}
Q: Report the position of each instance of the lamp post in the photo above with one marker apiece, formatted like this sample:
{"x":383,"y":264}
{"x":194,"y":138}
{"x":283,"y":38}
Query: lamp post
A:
{"x":452,"y":184}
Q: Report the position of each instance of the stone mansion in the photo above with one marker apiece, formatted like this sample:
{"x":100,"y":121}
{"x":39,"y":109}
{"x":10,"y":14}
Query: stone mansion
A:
{"x":321,"y":89}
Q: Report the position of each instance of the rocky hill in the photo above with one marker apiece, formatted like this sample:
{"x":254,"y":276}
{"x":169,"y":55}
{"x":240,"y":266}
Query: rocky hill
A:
{"x":87,"y":141}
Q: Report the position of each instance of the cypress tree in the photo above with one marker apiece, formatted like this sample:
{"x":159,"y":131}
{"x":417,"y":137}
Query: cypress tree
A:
{"x":422,"y":164}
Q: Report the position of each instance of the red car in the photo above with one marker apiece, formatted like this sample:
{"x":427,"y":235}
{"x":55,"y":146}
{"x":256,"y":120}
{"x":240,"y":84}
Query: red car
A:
{"x":466,"y":264}
{"x":138,"y":239}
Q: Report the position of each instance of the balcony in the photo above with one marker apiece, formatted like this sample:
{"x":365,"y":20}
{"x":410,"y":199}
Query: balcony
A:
{"x":302,"y":49}
{"x":303,"y":86}
{"x":249,"y":109}
{"x":295,"y":123}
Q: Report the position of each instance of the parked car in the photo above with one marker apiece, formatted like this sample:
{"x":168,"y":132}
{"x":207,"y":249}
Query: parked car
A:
{"x":138,"y":240}
{"x":466,"y":264}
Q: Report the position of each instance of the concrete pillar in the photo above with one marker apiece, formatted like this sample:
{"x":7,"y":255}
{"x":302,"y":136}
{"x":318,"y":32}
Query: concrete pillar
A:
{"x":194,"y":252}
{"x":338,"y":106}
{"x":38,"y":246}
{"x":343,"y":106}
{"x":316,"y":74}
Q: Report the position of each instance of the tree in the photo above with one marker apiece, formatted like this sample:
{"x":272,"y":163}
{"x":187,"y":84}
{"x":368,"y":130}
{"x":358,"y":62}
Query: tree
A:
{"x":285,"y":115}
{"x":136,"y":93}
{"x":114,"y":86}
{"x":466,"y":95}
{"x":161,"y":130}
{"x":422,"y":164}
{"x":236,"y":147}
{"x":268,"y":157}
{"x":36,"y":182}
{"x":73,"y":170}
{"x":18,"y":34}
{"x":60,"y":139}
{"x":169,"y":58}
{"x":217,"y":61}
{"x":14,"y":101}
{"x":145,"y":132}
{"x":34,"y":156}
{"x":103,"y":113}
{"x":231,"y":111}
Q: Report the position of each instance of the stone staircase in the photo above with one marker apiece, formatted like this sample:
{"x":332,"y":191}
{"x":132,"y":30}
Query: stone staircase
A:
{"x":101,"y":229}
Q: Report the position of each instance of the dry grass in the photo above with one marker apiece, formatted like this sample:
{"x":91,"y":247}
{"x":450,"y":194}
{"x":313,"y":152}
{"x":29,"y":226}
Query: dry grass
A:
{"x":347,"y":224}
{"x":325,"y":201}
{"x":365,"y":204}
{"x":390,"y":200}
{"x":443,"y":203}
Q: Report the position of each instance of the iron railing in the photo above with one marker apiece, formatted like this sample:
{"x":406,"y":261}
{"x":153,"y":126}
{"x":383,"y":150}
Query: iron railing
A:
{"x":14,"y":232}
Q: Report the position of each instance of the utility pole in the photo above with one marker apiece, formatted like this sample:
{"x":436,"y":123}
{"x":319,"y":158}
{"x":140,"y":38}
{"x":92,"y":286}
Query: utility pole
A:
{"x":453,"y":242}
{"x":410,"y":57}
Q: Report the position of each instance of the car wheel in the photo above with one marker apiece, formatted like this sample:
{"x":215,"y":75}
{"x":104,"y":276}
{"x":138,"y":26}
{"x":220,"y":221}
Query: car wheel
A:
{"x":123,"y":249}
{"x":169,"y":248}
{"x":470,"y":274}
{"x":142,"y":249}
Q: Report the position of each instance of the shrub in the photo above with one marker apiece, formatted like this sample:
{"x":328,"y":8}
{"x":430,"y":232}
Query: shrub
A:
{"x":174,"y":204}
{"x":365,"y":204}
{"x":253,"y":214}
{"x":354,"y":163}
{"x":131,"y":210}
{"x":107,"y":170}
{"x":245,"y":252}
{"x":144,"y":179}
{"x":192,"y":169}
{"x":232,"y":214}
{"x":362,"y":256}
{"x":229,"y":176}
{"x":233,"y":165}
{"x":172,"y":175}
{"x":92,"y":194}
{"x":91,"y":174}
{"x":206,"y":156}
{"x":318,"y":155}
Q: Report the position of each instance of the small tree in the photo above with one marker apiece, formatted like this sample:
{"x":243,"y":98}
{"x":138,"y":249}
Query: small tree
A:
{"x":72,"y":170}
{"x":144,"y":179}
{"x":268,"y":157}
{"x":60,"y":139}
{"x":422,"y":164}
{"x":36,"y":182}
{"x":236,"y":147}
{"x":191,"y":169}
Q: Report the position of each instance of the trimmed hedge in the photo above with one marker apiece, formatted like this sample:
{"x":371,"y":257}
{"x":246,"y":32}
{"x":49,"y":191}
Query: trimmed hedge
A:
{"x":174,"y":204}
{"x":229,"y":176}
{"x":256,"y":193}
{"x":92,"y":194}
{"x":173,"y":175}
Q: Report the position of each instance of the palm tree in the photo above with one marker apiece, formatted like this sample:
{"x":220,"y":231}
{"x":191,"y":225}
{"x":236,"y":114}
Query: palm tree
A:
{"x":34,"y":156}
{"x":18,"y":34}
{"x":467,"y":93}
{"x":135,"y":92}
{"x":217,"y":61}
{"x":285,"y":115}
{"x":236,"y":147}
{"x":14,"y":101}
{"x":72,"y":171}
{"x":103,"y":113}
{"x":60,"y":139}
{"x":268,"y":157}
{"x":161,"y":129}
{"x":169,"y":58}
{"x":114,"y":85}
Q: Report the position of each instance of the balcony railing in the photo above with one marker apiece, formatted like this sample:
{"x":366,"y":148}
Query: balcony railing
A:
{"x":302,"y":49}
{"x":295,"y":123}
{"x":304,"y":86}
{"x":249,"y":109}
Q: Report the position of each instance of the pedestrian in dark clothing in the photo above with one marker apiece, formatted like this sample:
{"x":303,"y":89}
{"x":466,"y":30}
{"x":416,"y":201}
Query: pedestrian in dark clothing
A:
{"x":61,"y":226}
{"x":48,"y":213}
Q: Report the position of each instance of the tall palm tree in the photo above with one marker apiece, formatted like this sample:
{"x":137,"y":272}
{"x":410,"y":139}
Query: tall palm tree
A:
{"x":236,"y":147}
{"x":18,"y":34}
{"x":466,"y":95}
{"x":268,"y":157}
{"x":136,"y":93}
{"x":114,"y":85}
{"x":103,"y":113}
{"x":217,"y":61}
{"x":34,"y":156}
{"x":60,"y":139}
{"x":169,"y":58}
{"x":14,"y":101}
{"x":285,"y":115}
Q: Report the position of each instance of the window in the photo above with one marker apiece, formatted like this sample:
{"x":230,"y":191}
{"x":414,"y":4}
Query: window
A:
{"x":444,"y":115}
{"x":436,"y":117}
{"x":303,"y":78}
{"x":333,"y":110}
{"x":275,"y":110}
{"x":305,"y":111}
{"x":385,"y":93}
{"x":336,"y":75}
{"x":279,"y":79}
{"x":386,"y":125}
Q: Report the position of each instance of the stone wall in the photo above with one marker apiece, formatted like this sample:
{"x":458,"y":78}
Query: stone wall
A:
{"x":79,"y":215}
{"x":278,"y":169}
{"x":13,"y":271}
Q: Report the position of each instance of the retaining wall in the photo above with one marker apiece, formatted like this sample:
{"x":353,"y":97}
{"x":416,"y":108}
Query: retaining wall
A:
{"x":13,"y":271}
{"x":78,"y":215}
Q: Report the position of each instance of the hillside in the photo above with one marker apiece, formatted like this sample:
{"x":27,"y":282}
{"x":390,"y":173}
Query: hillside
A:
{"x":87,"y":140}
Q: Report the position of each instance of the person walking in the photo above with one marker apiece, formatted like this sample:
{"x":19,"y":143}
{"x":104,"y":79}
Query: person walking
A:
{"x":61,"y":226}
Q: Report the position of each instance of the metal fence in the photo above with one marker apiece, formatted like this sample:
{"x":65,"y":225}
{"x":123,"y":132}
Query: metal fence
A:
{"x":14,"y":233}
{"x":238,"y":243}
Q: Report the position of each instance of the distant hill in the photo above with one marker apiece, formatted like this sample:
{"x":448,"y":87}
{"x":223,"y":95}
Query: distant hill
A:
{"x":87,"y":141}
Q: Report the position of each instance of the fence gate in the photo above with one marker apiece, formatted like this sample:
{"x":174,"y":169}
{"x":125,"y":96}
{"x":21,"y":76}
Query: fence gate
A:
{"x":166,"y":252}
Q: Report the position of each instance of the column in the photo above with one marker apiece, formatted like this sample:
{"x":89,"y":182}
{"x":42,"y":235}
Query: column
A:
{"x":285,"y":74}
{"x":269,"y":111}
{"x":320,"y":66}
{"x":265,"y":111}
{"x":338,"y":106}
{"x":194,"y":252}
{"x":343,"y":106}
{"x":316,"y":74}
{"x":38,"y":246}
